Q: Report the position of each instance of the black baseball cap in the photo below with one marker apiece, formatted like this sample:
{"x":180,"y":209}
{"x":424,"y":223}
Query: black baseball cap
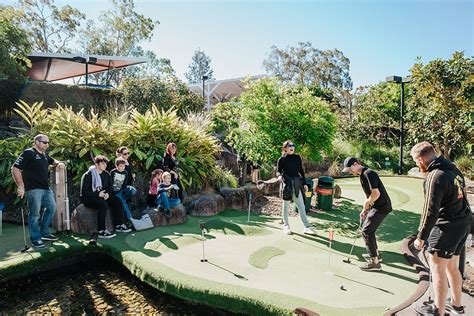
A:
{"x":348,"y":163}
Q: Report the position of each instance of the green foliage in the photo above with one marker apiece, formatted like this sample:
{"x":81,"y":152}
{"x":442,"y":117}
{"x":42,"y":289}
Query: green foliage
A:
{"x":223,"y":178}
{"x":14,"y":47}
{"x":76,"y":138}
{"x":120,"y":32}
{"x":200,"y":66}
{"x":226,"y":116}
{"x":50,"y":28}
{"x":376,"y":115}
{"x":307,"y":65}
{"x":10,"y":149}
{"x":164,"y":93}
{"x":270,"y":113}
{"x":441,"y":104}
{"x":465,"y":165}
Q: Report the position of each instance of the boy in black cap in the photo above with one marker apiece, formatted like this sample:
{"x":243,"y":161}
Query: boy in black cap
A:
{"x":376,"y":207}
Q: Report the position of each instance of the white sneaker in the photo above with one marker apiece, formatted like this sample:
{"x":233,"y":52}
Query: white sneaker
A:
{"x":286,"y":230}
{"x":309,"y":231}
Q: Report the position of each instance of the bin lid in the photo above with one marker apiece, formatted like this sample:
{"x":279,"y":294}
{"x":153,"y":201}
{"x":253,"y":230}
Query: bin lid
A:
{"x":326,"y":179}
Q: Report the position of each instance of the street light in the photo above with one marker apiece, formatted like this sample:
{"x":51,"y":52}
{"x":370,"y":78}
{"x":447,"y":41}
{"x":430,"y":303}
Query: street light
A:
{"x":401,"y":81}
{"x":204,"y":78}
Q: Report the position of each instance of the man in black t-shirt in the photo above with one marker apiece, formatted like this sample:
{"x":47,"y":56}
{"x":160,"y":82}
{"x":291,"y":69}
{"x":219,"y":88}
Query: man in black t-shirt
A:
{"x":376,"y":207}
{"x":30,"y":172}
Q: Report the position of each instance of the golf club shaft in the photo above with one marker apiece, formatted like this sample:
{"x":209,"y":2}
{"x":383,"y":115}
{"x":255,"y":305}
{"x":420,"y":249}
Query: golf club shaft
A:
{"x":23,"y":221}
{"x":356,"y":236}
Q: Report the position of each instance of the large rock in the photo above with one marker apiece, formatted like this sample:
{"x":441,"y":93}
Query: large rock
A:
{"x":234,"y":198}
{"x":178,"y":216}
{"x":84,"y":220}
{"x":252,"y":188}
{"x":272,"y":189}
{"x":206,"y":205}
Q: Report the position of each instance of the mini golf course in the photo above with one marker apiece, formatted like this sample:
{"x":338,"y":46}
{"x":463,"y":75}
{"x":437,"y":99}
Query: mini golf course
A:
{"x":252,"y":266}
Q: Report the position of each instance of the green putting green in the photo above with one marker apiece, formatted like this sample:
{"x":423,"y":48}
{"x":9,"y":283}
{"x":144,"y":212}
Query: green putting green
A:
{"x":252,"y":266}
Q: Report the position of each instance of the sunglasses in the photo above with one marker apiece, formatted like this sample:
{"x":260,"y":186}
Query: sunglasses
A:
{"x":125,"y":154}
{"x":44,"y":142}
{"x":290,"y":145}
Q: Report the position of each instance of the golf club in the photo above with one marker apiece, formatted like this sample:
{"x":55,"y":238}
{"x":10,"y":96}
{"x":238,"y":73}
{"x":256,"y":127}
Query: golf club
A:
{"x":353,"y":243}
{"x":24,"y":231}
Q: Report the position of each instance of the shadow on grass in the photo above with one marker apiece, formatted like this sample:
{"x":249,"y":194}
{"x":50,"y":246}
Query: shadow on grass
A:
{"x":344,"y":220}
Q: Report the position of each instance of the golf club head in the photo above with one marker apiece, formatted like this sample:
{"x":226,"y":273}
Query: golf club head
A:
{"x":347,"y":261}
{"x":25,"y":249}
{"x":92,"y":242}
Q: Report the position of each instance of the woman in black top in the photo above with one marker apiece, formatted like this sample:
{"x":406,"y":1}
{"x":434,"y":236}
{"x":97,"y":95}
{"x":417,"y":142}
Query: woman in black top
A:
{"x":291,"y":173}
{"x":170,"y":164}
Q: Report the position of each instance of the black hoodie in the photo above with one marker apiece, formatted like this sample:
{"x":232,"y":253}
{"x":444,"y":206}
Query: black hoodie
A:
{"x":445,"y":200}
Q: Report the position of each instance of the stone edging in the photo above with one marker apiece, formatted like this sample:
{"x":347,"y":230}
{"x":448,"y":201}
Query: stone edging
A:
{"x":412,"y":257}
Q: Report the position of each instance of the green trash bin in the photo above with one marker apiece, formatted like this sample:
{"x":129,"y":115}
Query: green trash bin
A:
{"x":324,"y":191}
{"x":309,"y":194}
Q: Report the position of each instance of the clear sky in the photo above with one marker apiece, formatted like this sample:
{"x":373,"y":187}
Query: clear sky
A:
{"x":380,"y":37}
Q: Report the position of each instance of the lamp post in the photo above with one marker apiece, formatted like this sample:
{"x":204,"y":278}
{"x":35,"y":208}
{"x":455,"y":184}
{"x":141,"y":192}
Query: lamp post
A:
{"x":204,"y":78}
{"x":401,"y":81}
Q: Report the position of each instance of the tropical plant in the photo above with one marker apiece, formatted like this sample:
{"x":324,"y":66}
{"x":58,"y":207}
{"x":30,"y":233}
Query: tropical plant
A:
{"x":77,"y":138}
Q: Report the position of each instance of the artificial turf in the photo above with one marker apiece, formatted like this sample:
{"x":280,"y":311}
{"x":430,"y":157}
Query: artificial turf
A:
{"x":252,"y":266}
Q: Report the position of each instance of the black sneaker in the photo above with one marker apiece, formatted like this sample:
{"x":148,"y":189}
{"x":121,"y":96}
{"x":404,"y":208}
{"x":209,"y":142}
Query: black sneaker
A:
{"x":371,"y":266}
{"x":454,"y":310}
{"x":49,"y":237}
{"x":122,"y":228}
{"x":105,"y":234}
{"x":367,"y":257}
{"x":38,"y":244}
{"x":427,"y":310}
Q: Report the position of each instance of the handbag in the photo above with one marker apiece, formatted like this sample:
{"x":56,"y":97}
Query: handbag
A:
{"x":143,"y":223}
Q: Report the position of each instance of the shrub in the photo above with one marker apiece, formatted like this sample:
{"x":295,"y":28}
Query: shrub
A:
{"x":465,"y":165}
{"x":76,"y":138}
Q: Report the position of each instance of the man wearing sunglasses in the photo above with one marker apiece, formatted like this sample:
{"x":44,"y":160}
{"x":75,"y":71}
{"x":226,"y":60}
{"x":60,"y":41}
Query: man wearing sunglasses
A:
{"x":30,"y":172}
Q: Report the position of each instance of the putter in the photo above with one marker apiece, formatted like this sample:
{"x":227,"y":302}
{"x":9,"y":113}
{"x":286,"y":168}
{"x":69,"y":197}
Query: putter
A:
{"x":353,"y":243}
{"x":24,"y":231}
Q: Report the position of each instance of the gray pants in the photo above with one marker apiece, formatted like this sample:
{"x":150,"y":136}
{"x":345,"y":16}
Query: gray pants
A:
{"x":301,"y":209}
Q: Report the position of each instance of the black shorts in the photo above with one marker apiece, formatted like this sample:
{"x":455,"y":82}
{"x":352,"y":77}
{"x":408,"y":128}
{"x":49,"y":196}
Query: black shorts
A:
{"x":448,"y":239}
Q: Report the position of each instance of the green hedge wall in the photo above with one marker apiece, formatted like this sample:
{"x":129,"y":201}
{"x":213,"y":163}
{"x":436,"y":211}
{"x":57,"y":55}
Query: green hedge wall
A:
{"x":78,"y":97}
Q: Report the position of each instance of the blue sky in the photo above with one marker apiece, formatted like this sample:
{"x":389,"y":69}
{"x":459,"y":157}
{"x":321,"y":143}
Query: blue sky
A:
{"x":381,"y":38}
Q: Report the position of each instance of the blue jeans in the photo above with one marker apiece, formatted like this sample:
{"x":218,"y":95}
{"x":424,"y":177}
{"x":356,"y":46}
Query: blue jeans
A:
{"x":38,"y":199}
{"x":124,"y":195}
{"x":163,"y":199}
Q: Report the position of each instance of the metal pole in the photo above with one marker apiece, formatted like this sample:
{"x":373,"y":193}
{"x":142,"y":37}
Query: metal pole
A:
{"x":402,"y":105}
{"x":87,"y":73}
{"x":203,"y":96}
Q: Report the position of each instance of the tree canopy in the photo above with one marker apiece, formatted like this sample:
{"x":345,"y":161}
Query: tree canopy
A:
{"x":200,"y":66}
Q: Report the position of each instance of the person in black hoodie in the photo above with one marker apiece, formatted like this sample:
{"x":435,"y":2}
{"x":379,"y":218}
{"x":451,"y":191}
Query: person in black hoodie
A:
{"x":290,"y":172}
{"x":444,"y":226}
{"x":170,"y":164}
{"x":96,"y":193}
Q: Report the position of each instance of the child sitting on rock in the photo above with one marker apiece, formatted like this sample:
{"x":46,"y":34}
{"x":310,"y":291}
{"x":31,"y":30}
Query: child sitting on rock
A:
{"x":154,"y":184}
{"x":167,"y":194}
{"x":120,"y":180}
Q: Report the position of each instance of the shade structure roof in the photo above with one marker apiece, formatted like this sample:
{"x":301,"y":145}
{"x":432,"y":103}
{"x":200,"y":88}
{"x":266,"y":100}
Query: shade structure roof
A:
{"x":54,"y":66}
{"x":216,"y":91}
